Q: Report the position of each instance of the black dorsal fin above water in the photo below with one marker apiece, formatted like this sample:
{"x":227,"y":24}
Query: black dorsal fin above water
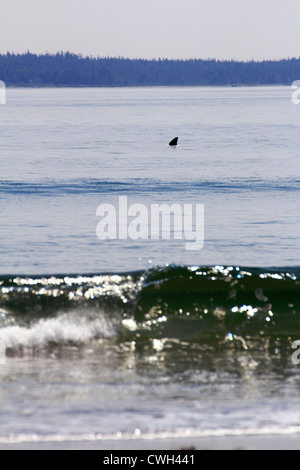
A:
{"x":174,"y":141}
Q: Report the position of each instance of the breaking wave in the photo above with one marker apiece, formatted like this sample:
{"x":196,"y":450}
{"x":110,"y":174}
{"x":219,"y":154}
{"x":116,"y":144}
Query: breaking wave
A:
{"x":214,"y":306}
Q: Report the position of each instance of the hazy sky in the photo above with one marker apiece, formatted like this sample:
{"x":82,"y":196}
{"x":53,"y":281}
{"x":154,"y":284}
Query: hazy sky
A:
{"x":222,"y":29}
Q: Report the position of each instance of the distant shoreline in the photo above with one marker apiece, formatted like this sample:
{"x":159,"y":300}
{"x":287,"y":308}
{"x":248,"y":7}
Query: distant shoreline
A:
{"x":56,"y":87}
{"x":44,"y":86}
{"x":65,"y":69}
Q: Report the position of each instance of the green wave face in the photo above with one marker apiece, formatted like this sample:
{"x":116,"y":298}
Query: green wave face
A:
{"x":215,"y":307}
{"x":247,"y":300}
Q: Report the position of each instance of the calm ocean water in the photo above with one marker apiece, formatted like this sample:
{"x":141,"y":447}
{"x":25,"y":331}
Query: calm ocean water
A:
{"x":122,"y":339}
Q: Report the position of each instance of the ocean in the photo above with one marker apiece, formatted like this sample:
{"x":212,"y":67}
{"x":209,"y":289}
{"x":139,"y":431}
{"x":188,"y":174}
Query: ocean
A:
{"x":117,"y":333}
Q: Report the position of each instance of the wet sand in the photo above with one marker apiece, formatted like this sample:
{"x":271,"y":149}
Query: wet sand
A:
{"x":268,"y":442}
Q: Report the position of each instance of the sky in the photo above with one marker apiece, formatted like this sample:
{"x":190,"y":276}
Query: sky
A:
{"x":173,"y":29}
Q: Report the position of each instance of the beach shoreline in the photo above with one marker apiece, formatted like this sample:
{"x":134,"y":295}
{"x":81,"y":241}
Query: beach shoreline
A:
{"x":243,"y":442}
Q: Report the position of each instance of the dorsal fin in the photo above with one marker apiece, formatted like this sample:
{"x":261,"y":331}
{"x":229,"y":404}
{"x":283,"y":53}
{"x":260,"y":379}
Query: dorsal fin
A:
{"x":174,"y":141}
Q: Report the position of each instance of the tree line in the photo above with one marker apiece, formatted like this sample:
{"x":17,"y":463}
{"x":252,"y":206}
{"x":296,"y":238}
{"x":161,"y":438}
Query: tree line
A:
{"x":68,"y":69}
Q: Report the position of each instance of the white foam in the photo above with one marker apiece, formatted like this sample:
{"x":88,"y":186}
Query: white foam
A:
{"x":70,"y":327}
{"x":144,"y":436}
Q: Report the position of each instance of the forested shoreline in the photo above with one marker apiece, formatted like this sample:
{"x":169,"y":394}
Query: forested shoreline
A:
{"x":68,"y":69}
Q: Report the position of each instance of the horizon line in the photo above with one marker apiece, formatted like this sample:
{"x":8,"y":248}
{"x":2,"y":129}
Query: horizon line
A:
{"x":153,"y":59}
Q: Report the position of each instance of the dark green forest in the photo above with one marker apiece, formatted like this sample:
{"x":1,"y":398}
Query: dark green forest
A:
{"x":68,"y":69}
